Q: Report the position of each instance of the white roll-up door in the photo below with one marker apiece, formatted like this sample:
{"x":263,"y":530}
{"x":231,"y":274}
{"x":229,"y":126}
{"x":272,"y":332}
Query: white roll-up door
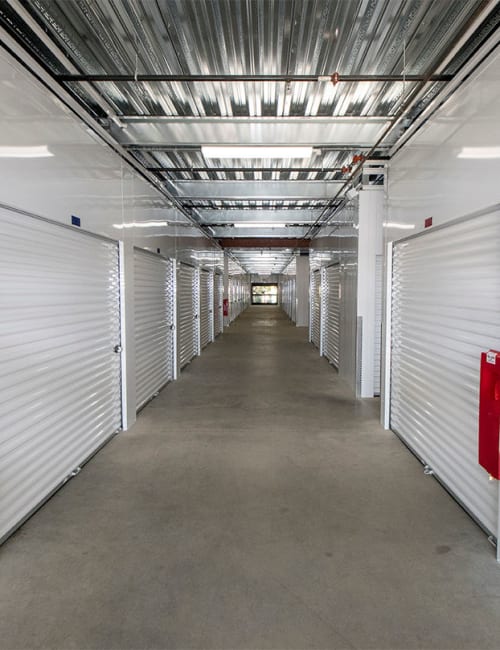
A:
{"x":378,"y":324}
{"x":206,"y":308}
{"x":60,"y":357}
{"x":154,"y":323}
{"x":315,"y":333}
{"x":218,"y":303}
{"x":232,"y":299}
{"x":445,"y":312}
{"x":187,"y":314}
{"x":331,"y":329}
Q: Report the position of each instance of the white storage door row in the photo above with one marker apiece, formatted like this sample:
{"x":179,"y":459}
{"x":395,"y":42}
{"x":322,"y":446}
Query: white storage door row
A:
{"x":60,"y":343}
{"x":187,"y":314}
{"x":154,"y":278}
{"x":333,"y":322}
{"x":315,"y":322}
{"x":331,"y":314}
{"x":206,"y":308}
{"x":218,"y":304}
{"x":445,"y":312}
{"x":378,"y":324}
{"x":288,"y":302}
{"x":239,"y":295}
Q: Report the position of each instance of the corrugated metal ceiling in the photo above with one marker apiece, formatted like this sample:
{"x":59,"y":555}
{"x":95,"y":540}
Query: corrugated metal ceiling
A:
{"x":288,"y":38}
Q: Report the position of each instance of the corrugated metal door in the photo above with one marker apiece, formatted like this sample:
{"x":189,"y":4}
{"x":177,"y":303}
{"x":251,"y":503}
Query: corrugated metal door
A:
{"x":187,"y":314}
{"x":154,"y":324}
{"x":218,"y":296}
{"x":60,"y":349}
{"x":378,"y":324}
{"x":206,"y":308}
{"x":315,"y":308}
{"x":445,"y":312}
{"x":331,"y":346}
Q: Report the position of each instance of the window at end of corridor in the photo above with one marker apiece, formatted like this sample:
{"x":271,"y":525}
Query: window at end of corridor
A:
{"x":264,"y":294}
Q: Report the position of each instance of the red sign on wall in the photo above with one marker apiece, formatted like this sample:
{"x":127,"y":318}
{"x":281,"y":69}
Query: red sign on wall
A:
{"x":489,"y":413}
{"x":225,"y":307}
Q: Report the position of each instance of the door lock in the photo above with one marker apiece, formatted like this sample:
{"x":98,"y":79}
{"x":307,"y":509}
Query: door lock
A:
{"x":117,"y":349}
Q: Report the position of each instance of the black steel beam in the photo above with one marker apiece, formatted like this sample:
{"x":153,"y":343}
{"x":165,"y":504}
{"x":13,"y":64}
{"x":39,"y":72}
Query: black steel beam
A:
{"x":238,"y":78}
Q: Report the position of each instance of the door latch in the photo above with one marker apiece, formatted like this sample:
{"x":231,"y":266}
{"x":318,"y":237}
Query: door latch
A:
{"x":117,"y":349}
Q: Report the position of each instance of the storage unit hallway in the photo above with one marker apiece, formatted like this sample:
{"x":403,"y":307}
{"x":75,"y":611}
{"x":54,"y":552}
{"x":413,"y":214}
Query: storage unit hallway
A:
{"x":254,"y":504}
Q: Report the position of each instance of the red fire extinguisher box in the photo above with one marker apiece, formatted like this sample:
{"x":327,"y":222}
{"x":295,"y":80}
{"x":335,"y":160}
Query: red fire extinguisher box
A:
{"x":489,"y":413}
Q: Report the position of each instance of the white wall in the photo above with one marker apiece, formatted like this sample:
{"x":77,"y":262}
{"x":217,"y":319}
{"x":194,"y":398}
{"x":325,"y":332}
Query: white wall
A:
{"x":85,"y":177}
{"x":428,"y":178}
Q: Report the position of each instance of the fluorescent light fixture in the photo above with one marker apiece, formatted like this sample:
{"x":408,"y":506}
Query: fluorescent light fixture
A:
{"x":480,"y":152}
{"x":401,"y":226}
{"x":256,"y":152}
{"x":141,"y":224}
{"x":259,"y":224}
{"x":26,"y":152}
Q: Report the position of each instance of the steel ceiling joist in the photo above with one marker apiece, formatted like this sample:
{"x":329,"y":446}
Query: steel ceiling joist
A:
{"x":266,"y":170}
{"x":257,"y":242}
{"x":223,"y":216}
{"x":256,"y":190}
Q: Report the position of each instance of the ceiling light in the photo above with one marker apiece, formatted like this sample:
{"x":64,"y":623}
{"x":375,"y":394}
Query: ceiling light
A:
{"x":256,"y":152}
{"x":255,"y":224}
{"x":25,"y":152}
{"x":480,"y":152}
{"x":401,"y":226}
{"x":141,"y":224}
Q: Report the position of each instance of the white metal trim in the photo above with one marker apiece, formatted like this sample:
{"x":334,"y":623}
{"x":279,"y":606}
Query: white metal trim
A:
{"x":385,"y":396}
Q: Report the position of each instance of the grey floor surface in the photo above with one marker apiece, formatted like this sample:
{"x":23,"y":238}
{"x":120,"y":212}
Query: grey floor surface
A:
{"x":254,"y":505}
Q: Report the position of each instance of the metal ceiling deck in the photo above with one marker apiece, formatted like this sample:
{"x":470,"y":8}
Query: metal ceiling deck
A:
{"x":252,"y":72}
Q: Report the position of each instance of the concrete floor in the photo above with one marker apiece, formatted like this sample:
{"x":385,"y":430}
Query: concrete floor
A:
{"x":254,"y":505}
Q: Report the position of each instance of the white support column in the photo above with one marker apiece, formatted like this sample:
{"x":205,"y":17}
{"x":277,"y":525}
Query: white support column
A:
{"x":302,"y":281}
{"x":370,"y":244}
{"x":225,"y":279}
{"x":127,"y":309}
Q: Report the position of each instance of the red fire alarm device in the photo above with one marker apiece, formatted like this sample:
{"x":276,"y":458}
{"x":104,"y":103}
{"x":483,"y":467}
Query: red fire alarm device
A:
{"x":489,"y":413}
{"x":225,"y":307}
